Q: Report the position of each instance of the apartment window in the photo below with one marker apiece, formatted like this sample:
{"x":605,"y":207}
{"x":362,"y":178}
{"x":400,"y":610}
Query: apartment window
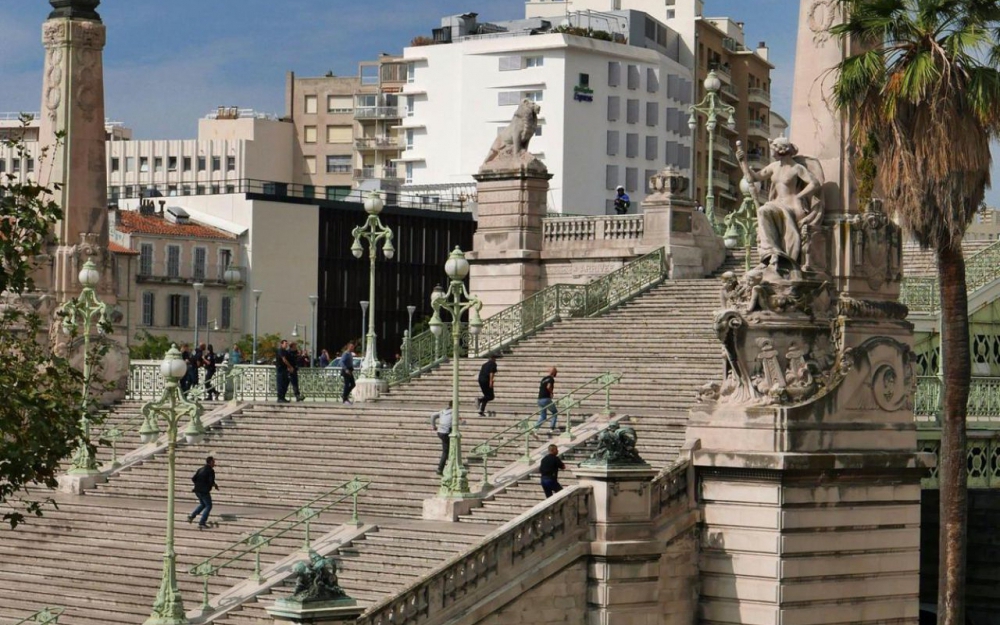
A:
{"x":631,"y":179}
{"x":611,"y":176}
{"x":216,"y":163}
{"x":652,"y":80}
{"x":3,"y":165}
{"x":15,"y":165}
{"x":534,"y":61}
{"x":145,"y":257}
{"x":651,"y":148}
{"x":158,"y":164}
{"x":310,"y":134}
{"x":215,"y":189}
{"x":202,"y":163}
{"x":614,"y":108}
{"x":225,"y":260}
{"x":409,"y":105}
{"x":538,"y":131}
{"x":652,"y":113}
{"x":186,"y":163}
{"x":509,"y":63}
{"x":631,"y":145}
{"x":339,"y":134}
{"x":613,"y":142}
{"x":199,"y":189}
{"x":226,"y":315}
{"x":633,"y":77}
{"x":310,"y":164}
{"x":200,"y":262}
{"x":148,"y":317}
{"x":409,"y":173}
{"x":129,"y":164}
{"x":338,"y":164}
{"x":171,"y":163}
{"x":311,"y":105}
{"x":534,"y":96}
{"x":29,"y":165}
{"x":173,"y":261}
{"x":409,"y":139}
{"x":339,"y":104}
{"x":172,"y":190}
{"x":614,"y":74}
{"x":230,"y":163}
{"x":202,"y":311}
{"x":632,"y":111}
{"x":179,"y":311}
{"x":411,"y":71}
{"x":185,"y":189}
{"x":230,"y":188}
{"x":115,"y":164}
{"x":509,"y":98}
{"x":143,"y":164}
{"x":583,"y":80}
{"x":309,"y":191}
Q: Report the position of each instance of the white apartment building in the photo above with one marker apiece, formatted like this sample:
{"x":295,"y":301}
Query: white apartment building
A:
{"x":611,"y":114}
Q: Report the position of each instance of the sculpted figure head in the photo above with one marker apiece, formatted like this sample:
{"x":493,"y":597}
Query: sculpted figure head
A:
{"x":782,"y":147}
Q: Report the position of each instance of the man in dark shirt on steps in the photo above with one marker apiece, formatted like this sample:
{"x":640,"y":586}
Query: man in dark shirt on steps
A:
{"x":545,"y":400}
{"x":487,"y":377}
{"x":204,"y":482}
{"x":550,"y":471}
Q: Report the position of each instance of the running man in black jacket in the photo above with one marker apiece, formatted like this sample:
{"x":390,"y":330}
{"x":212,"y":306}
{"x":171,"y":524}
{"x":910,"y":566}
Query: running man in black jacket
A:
{"x":204,"y":482}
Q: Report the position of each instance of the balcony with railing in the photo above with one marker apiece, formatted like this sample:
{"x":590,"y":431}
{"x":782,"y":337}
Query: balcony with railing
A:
{"x":377,"y":112}
{"x":758,"y":128}
{"x":185,"y":273}
{"x":722,"y":70}
{"x":369,"y":144}
{"x":720,"y":179}
{"x":759,"y":96}
{"x":378,"y":173}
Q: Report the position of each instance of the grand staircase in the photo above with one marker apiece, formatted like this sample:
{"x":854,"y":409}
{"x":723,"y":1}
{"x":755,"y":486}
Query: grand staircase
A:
{"x":100,"y":555}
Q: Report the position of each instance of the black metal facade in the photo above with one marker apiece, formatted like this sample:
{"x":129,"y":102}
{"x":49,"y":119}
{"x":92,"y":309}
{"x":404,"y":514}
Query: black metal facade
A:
{"x":423,"y":240}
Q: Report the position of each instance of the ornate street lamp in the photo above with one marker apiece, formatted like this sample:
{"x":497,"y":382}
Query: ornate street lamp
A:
{"x":741,"y":225}
{"x":364,"y":323}
{"x":455,"y":481}
{"x":233,"y":279}
{"x":409,"y":333}
{"x":198,"y":286}
{"x":172,"y":407}
{"x":373,"y":231}
{"x":256,"y":306}
{"x":711,"y":107}
{"x":85,"y":309}
{"x":313,"y":301}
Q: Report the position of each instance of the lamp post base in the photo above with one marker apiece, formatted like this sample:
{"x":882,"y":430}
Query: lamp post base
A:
{"x":78,"y":483}
{"x":450,"y":508}
{"x":369,"y":389}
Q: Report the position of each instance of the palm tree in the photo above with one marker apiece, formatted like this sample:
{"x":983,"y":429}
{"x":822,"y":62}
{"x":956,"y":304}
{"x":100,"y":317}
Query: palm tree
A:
{"x":924,"y":97}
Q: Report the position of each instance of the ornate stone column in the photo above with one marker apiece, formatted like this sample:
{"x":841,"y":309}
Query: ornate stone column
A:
{"x":72,"y":134}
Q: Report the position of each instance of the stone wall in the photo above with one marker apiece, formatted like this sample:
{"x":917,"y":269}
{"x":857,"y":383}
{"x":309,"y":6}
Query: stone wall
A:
{"x":560,"y":599}
{"x":679,"y":575}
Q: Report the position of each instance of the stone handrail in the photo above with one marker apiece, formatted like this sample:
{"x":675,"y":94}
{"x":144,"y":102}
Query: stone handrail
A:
{"x":669,"y":488}
{"x":560,"y":230}
{"x":983,"y":408}
{"x":508,"y":552}
{"x":921,"y":294}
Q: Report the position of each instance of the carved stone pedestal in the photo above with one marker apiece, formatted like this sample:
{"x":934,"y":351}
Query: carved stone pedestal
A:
{"x":315,"y":613}
{"x":368,"y":389}
{"x":449,"y":508}
{"x":506,"y":261}
{"x":673,"y":222}
{"x":78,"y":484}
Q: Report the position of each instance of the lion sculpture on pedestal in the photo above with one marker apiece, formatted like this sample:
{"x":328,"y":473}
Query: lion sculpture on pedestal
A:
{"x":510,"y":148}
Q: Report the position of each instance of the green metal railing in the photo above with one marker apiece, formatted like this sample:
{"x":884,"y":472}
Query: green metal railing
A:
{"x":983,"y":408}
{"x":257,"y":540}
{"x":525,"y":428}
{"x":43,"y":616}
{"x":558,"y":301}
{"x":982,"y":268}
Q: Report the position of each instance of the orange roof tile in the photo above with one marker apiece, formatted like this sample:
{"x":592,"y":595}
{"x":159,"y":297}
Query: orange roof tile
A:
{"x":135,"y":223}
{"x":114,"y":248}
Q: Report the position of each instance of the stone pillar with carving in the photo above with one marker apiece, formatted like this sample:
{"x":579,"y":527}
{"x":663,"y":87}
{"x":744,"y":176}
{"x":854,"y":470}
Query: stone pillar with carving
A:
{"x":512,"y":190}
{"x":72,"y":134}
{"x":808,"y":466}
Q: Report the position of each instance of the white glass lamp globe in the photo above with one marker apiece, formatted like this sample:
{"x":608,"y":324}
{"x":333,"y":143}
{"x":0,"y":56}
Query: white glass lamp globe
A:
{"x":457,"y":267}
{"x":89,"y":276}
{"x":745,"y":187}
{"x":173,"y":368}
{"x":712,"y":83}
{"x":436,"y":294}
{"x":231,"y":276}
{"x":374,"y":203}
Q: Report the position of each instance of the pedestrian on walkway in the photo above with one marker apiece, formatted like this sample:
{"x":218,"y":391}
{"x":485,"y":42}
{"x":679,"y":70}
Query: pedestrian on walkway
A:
{"x":347,"y":372}
{"x":441,"y":422}
{"x":549,"y":469}
{"x":293,"y":371}
{"x":487,"y":376}
{"x":545,"y":394}
{"x":208,"y":361}
{"x":186,"y":378}
{"x":204,"y":482}
{"x":324,"y":359}
{"x":281,"y":367}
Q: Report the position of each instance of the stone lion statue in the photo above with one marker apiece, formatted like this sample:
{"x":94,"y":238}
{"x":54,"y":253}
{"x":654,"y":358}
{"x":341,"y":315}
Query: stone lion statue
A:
{"x":510,"y":148}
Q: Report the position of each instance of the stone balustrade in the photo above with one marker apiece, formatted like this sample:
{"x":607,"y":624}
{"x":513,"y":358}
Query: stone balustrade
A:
{"x":670,"y":488}
{"x":559,"y":232}
{"x":514,"y":549}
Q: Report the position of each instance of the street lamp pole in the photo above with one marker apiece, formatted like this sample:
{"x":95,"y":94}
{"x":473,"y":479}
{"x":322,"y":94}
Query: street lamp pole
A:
{"x":198,"y":286}
{"x":172,"y":407}
{"x":455,"y":481}
{"x":364,"y":324}
{"x":232,"y":278}
{"x":373,"y":231}
{"x":711,"y":107}
{"x":313,"y":301}
{"x":84,"y":310}
{"x":256,"y":305}
{"x":409,"y":332}
{"x":741,"y":225}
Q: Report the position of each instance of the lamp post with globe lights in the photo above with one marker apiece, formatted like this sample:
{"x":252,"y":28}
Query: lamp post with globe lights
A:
{"x":172,"y":407}
{"x":373,"y":231}
{"x":256,"y":306}
{"x":456,"y":301}
{"x":741,"y":225}
{"x":233,"y":279}
{"x":85,"y":310}
{"x":364,"y":323}
{"x":313,"y":301}
{"x":711,"y":107}
{"x":409,"y":332}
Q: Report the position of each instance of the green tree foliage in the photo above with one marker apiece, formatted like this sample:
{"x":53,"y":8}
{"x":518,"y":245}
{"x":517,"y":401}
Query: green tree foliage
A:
{"x":149,"y":346}
{"x":924,"y":95}
{"x":267,"y":347}
{"x":43,"y":394}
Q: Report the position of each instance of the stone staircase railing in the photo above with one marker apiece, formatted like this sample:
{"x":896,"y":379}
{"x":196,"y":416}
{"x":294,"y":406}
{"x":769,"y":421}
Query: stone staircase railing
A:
{"x":513,"y":550}
{"x":45,"y":616}
{"x":538,"y":311}
{"x":560,"y":230}
{"x":256,"y":541}
{"x":921,"y":294}
{"x":983,"y":409}
{"x":669,"y":488}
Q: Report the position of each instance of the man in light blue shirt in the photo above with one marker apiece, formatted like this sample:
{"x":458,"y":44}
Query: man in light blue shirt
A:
{"x":441,"y":422}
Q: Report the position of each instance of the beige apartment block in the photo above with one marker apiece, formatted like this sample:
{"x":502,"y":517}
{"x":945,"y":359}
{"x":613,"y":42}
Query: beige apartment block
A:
{"x":160,"y":255}
{"x":746,"y":86}
{"x":346,"y":128}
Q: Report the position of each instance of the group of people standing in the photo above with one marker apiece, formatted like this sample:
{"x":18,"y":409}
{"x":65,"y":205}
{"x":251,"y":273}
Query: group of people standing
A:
{"x":203,"y":357}
{"x":289,"y":360}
